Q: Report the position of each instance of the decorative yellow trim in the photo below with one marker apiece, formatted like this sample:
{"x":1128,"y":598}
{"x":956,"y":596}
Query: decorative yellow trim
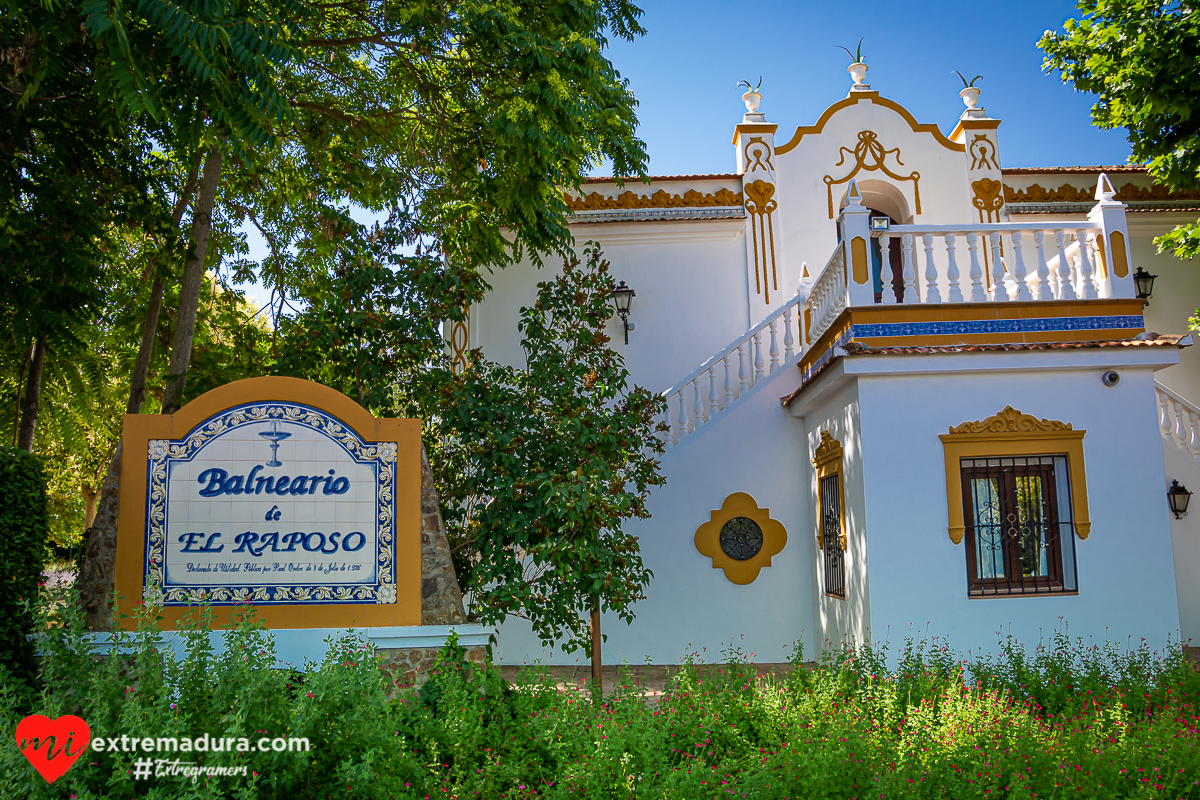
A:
{"x":1013,"y":433}
{"x":139,"y":429}
{"x":980,"y":158}
{"x":1103,"y":258}
{"x":858,"y":257}
{"x":753,"y":127}
{"x":1071,"y":194}
{"x":868,"y":147}
{"x":988,"y":199}
{"x":973,"y":125}
{"x":957,"y":312}
{"x":827,"y":460}
{"x":760,"y":158}
{"x":760,"y":205}
{"x":1119,"y":256}
{"x":460,"y":341}
{"x":708,"y":538}
{"x":874,"y":97}
{"x":660,"y":199}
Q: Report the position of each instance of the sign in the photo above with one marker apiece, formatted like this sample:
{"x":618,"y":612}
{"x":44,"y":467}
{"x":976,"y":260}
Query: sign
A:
{"x":278,"y":493}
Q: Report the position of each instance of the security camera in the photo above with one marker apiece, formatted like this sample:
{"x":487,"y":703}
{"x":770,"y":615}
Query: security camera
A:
{"x":1111,"y":378}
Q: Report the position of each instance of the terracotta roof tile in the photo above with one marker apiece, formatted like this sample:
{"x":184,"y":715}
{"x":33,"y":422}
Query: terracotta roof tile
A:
{"x":1097,"y":169}
{"x":720,"y":176}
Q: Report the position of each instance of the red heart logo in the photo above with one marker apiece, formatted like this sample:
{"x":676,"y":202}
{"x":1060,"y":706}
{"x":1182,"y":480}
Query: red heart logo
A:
{"x":53,"y":745}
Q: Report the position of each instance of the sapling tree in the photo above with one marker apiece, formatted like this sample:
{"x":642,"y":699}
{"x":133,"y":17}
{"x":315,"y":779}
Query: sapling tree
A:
{"x":539,"y":468}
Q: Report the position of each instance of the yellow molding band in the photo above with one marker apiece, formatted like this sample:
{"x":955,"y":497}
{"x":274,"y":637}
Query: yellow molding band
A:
{"x":973,"y":125}
{"x":753,"y":127}
{"x":874,"y":97}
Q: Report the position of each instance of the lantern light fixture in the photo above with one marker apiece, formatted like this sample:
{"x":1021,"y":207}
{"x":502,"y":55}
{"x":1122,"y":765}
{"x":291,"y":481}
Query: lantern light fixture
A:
{"x":1179,"y":497}
{"x":622,"y":297}
{"x":1144,"y":283}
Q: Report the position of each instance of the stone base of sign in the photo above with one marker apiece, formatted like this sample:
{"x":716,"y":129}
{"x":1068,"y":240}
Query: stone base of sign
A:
{"x":441,"y":597}
{"x":410,"y":667}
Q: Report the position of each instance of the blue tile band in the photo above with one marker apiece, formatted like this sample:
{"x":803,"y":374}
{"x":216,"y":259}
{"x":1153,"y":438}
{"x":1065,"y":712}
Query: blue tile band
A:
{"x":976,"y":326}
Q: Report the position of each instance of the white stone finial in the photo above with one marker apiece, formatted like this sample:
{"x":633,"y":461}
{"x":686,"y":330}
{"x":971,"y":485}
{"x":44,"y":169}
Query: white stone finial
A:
{"x":853,"y":195}
{"x":970,"y":96}
{"x":752,"y":98}
{"x":1104,"y":189}
{"x":858,"y":69}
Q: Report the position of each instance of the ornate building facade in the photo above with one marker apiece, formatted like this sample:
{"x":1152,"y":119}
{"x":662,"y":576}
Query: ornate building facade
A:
{"x":906,"y":386}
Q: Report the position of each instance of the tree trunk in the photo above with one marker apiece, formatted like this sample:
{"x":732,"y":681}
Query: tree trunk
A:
{"x":97,"y":569}
{"x":90,"y":498}
{"x":597,"y":666}
{"x":33,"y":396}
{"x":193,"y":279}
{"x":20,"y":385}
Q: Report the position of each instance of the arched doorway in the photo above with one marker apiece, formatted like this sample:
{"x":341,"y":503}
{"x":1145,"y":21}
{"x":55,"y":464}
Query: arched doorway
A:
{"x":885,"y":200}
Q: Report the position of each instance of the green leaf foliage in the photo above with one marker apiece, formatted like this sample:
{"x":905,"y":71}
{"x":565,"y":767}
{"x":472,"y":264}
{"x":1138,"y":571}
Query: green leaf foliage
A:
{"x":539,"y":468}
{"x":23,"y":521}
{"x":1060,"y":720}
{"x":1142,"y":59}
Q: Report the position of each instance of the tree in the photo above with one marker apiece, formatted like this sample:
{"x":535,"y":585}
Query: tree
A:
{"x":1142,"y":58}
{"x":539,"y":468}
{"x":461,"y":123}
{"x":71,"y":170}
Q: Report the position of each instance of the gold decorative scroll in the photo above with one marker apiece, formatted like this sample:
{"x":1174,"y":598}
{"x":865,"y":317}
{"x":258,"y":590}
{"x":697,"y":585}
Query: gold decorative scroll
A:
{"x":460,"y":342}
{"x":988,"y":199}
{"x":1071,"y":194}
{"x":1010,"y":434}
{"x":759,"y":157}
{"x":660,"y":199}
{"x":870,"y":155}
{"x":760,"y":205}
{"x":1011,"y":420}
{"x":983,"y":153}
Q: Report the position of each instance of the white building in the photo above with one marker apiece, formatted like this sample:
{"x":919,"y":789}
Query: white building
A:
{"x":963,"y":419}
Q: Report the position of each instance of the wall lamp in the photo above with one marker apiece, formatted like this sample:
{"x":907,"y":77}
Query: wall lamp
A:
{"x":622,"y":296}
{"x":1179,"y":497}
{"x":1144,"y":282}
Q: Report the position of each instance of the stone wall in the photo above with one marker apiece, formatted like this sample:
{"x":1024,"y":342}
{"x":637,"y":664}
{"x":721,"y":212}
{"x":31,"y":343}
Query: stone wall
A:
{"x":441,"y":597}
{"x":410,"y":666}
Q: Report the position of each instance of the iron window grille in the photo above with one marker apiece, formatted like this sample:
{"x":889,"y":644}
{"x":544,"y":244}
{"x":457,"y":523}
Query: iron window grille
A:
{"x":831,"y":531}
{"x":1019,"y":533}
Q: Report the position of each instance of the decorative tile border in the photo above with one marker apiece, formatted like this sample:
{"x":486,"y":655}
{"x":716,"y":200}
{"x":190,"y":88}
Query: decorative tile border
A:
{"x":162,"y":452}
{"x":978,"y":326}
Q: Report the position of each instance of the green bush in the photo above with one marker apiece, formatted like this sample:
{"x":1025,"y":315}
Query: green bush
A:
{"x":24,"y":526}
{"x":934,"y":726}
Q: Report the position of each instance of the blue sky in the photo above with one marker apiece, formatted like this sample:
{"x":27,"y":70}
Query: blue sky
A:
{"x":684,"y":73}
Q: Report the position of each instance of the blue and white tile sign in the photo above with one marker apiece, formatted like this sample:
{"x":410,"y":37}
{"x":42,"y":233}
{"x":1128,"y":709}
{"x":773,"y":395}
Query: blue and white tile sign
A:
{"x":270,"y":503}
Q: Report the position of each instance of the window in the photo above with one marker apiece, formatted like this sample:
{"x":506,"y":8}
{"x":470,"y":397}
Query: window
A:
{"x":831,"y":505}
{"x":832,"y":537}
{"x":1019,"y":533}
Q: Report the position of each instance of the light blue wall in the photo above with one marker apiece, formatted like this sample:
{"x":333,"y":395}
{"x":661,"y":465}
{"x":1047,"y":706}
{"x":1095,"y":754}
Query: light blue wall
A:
{"x":757,"y":448}
{"x":918,"y":576}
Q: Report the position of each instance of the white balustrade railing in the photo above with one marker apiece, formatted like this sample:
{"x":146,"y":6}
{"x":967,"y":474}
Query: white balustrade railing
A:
{"x":1003,"y":261}
{"x":721,"y":381}
{"x":828,"y":297}
{"x":1178,"y":421}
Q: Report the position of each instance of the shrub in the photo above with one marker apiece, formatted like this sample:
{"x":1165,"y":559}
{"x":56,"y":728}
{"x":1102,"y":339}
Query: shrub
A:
{"x":848,"y":729}
{"x":24,"y":526}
